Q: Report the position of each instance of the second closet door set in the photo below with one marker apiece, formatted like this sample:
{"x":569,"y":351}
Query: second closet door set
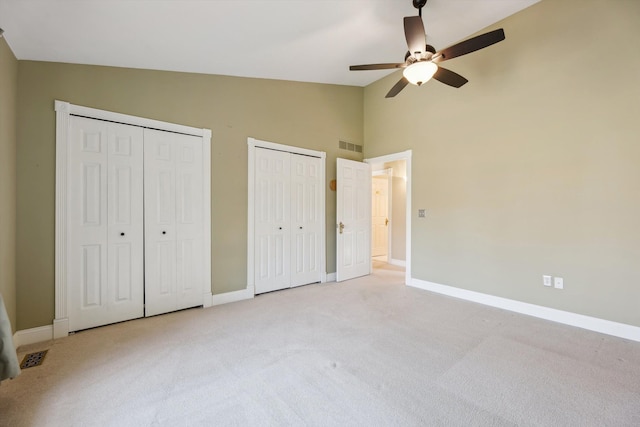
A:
{"x":288,"y":223}
{"x":135,"y":222}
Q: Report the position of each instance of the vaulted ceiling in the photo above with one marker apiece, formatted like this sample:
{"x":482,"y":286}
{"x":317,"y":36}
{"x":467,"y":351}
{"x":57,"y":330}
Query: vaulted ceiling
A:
{"x":299,"y":40}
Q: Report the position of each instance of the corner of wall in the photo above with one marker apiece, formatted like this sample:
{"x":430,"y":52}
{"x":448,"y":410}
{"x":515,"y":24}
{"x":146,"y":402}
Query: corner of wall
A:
{"x":8,"y":178}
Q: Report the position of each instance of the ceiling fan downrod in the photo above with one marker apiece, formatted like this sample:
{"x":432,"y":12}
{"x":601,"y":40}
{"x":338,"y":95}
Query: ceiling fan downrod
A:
{"x":419,"y":4}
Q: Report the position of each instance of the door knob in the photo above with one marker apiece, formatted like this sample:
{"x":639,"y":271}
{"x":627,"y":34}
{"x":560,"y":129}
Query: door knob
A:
{"x":279,"y":228}
{"x":341,"y":227}
{"x":386,"y":221}
{"x":164,"y":232}
{"x":122,"y":234}
{"x":300,"y":228}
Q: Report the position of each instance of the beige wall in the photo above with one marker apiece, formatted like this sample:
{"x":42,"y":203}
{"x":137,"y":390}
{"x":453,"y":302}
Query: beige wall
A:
{"x":307,"y":115}
{"x":8,"y":141}
{"x":533,"y":167}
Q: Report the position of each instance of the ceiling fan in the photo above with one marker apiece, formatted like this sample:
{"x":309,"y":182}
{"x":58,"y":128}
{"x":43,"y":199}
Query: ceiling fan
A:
{"x":421,"y":61}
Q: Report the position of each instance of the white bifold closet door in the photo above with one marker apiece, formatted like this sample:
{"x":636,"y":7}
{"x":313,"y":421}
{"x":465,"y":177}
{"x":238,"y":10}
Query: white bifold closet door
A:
{"x":305,"y":220}
{"x":173,"y":178}
{"x":287,"y":220}
{"x":105,"y":206}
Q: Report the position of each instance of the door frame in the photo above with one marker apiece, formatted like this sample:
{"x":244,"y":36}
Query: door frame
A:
{"x":64,"y":110}
{"x":388,"y":172}
{"x":252,"y":144}
{"x":406,"y":156}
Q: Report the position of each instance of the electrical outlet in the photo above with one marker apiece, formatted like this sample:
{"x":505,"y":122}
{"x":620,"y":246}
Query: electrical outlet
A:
{"x":546,"y":280}
{"x":558,"y":283}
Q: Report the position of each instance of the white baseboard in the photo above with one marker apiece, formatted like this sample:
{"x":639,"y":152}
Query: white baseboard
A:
{"x":568,"y":318}
{"x":331,"y":277}
{"x":60,"y":328}
{"x":33,"y":335}
{"x":398,"y":262}
{"x":207,"y":300}
{"x":46,"y":333}
{"x":234,"y":296}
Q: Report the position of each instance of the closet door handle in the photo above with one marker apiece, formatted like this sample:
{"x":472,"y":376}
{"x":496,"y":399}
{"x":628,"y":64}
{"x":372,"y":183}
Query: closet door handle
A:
{"x":279,"y":228}
{"x":301,"y":228}
{"x":164,"y":232}
{"x":122,"y":234}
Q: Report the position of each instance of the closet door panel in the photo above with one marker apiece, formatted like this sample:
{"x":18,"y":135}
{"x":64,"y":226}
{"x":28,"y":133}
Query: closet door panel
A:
{"x":174,"y":221}
{"x":189,"y":221}
{"x":87,"y":261}
{"x":160,"y":224}
{"x":305,"y":219}
{"x":92,"y":281}
{"x":125,"y":230}
{"x":164,"y":275}
{"x":272,"y":220}
{"x":105,"y":191}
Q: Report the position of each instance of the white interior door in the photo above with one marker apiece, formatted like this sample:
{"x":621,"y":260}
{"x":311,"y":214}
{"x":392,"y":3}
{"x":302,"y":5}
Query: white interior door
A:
{"x":173,"y":221}
{"x":272,"y":220}
{"x":353,"y":219}
{"x":306,"y":224}
{"x":380,"y":215}
{"x":105,"y":223}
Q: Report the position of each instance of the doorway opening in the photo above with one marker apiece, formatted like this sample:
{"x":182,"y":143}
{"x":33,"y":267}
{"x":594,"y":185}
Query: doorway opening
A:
{"x":381,"y":211}
{"x":391,"y":213}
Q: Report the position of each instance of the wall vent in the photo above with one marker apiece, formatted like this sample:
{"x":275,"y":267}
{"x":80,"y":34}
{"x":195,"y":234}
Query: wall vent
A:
{"x":344,"y":145}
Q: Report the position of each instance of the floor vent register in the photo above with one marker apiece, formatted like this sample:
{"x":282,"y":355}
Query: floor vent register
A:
{"x":33,"y":359}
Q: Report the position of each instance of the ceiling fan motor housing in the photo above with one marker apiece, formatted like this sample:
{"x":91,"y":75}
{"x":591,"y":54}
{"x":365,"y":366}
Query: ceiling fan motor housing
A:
{"x":419,"y":4}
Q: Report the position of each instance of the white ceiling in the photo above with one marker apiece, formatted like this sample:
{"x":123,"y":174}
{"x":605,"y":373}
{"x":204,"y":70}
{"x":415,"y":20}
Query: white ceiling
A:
{"x":300,"y":40}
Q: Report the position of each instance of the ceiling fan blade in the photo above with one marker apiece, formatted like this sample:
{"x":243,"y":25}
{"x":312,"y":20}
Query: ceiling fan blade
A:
{"x":415,"y":35}
{"x":376,"y":66}
{"x":397,"y":88}
{"x":448,"y":77}
{"x":471,"y":45}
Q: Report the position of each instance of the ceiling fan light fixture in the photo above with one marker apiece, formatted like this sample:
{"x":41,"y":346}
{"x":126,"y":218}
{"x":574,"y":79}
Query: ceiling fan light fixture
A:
{"x":420,"y":72}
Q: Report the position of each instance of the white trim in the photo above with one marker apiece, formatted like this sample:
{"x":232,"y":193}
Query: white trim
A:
{"x":77,"y":110}
{"x":61,"y":321}
{"x":388,"y":171}
{"x":403,"y":155}
{"x":398,"y":262}
{"x":331,"y":277}
{"x":63,"y":112}
{"x":251,"y":233}
{"x":233,"y":296}
{"x":32,"y":336}
{"x":207,"y":297}
{"x":323,"y":215}
{"x":252,"y":145}
{"x":60,"y":327}
{"x":565,"y":317}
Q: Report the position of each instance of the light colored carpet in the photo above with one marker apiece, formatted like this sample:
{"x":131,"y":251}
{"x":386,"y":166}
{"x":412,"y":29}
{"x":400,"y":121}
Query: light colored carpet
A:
{"x":365,"y":352}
